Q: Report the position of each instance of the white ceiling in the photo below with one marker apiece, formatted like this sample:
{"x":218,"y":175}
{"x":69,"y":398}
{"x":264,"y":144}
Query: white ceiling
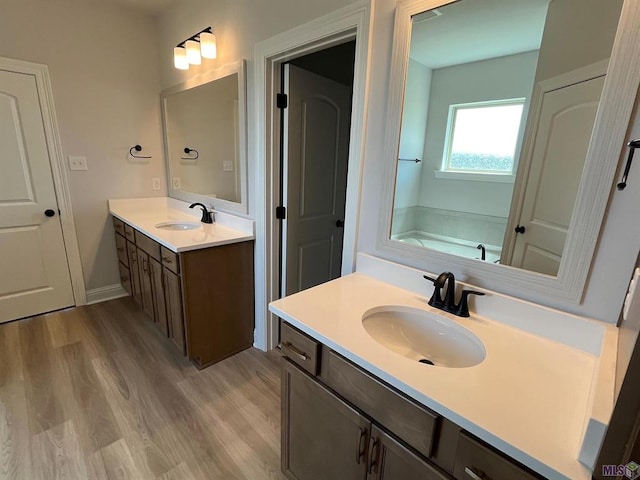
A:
{"x":151,"y":7}
{"x":472,"y":30}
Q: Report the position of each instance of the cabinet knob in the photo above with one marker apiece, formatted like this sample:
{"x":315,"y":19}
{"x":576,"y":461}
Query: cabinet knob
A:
{"x":520,"y":229}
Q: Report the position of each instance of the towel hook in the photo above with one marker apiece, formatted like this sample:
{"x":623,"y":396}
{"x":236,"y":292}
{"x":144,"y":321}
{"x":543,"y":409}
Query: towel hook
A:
{"x":189,"y":151}
{"x":633,"y":144}
{"x":137,"y":148}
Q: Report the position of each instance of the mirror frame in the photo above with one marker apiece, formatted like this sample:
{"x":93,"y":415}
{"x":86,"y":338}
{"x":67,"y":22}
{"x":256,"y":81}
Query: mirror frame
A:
{"x":239,"y":68}
{"x":596,"y":184}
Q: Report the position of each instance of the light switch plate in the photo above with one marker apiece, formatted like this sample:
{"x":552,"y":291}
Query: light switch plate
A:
{"x":77,"y":162}
{"x":155,"y":183}
{"x":175,"y":182}
{"x":227,"y":166}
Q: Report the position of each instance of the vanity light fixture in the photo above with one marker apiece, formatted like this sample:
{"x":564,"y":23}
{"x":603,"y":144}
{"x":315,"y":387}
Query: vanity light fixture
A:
{"x":208,"y":48}
{"x":180,"y":58}
{"x":193,"y":49}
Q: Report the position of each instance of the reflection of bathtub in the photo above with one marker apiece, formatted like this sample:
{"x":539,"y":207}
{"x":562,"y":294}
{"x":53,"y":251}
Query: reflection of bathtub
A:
{"x":452,"y":245}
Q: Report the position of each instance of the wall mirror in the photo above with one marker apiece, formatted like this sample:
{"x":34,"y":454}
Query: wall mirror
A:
{"x":504,"y":160}
{"x":205,"y":138}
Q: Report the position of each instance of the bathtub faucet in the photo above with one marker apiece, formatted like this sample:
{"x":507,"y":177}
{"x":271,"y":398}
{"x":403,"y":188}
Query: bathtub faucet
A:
{"x":449,"y":303}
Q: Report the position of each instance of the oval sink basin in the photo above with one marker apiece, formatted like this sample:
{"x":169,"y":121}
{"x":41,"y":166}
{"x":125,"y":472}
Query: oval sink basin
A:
{"x":423,"y":336}
{"x":177,"y":225}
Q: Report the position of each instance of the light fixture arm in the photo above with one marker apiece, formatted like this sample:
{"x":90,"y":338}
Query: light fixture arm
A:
{"x":195,"y":38}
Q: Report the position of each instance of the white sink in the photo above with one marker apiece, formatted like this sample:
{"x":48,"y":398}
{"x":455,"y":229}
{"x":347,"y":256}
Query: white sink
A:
{"x":423,"y":336}
{"x":177,"y":225}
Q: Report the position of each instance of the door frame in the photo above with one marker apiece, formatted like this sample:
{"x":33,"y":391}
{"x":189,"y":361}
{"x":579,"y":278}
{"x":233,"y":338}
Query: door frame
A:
{"x":348,"y":23}
{"x":58,"y":171}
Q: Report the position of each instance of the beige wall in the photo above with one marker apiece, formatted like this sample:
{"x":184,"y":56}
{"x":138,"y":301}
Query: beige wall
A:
{"x":104,"y":71}
{"x":576,"y":33}
{"x":492,"y":79}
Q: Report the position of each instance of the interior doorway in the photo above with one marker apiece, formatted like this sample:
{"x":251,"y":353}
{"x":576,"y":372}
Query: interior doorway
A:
{"x":315,"y":103}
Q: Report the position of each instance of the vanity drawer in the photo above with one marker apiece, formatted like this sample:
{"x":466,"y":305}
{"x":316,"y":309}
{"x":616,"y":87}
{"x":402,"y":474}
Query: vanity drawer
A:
{"x":118,"y":225}
{"x":125,"y":277}
{"x":148,"y":245}
{"x":129,"y":233}
{"x":475,"y":461}
{"x":412,"y":423}
{"x":170,"y":259}
{"x":300,"y":348}
{"x":121,"y":250}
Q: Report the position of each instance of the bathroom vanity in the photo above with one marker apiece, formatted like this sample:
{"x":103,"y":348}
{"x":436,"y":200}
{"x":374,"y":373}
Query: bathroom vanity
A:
{"x":518,"y":411}
{"x":194,"y":281}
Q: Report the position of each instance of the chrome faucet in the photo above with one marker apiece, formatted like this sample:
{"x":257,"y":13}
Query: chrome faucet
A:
{"x":449,"y":303}
{"x":207,"y":216}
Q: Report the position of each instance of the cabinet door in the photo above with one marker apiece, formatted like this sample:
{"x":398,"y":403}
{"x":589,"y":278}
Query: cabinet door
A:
{"x":322,"y":437}
{"x":157,"y":293}
{"x":390,"y":460}
{"x":134,"y":271}
{"x":145,"y":282}
{"x":175,"y":318}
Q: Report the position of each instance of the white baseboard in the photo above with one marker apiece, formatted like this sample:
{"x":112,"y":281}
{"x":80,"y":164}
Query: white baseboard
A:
{"x":102,"y":294}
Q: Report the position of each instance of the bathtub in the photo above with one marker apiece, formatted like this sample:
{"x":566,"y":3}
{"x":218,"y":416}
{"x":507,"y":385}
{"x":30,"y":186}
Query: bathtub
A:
{"x":452,"y":245}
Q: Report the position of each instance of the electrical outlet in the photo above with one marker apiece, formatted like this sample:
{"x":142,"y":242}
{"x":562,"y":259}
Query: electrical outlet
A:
{"x":227,"y":166}
{"x":175,"y":182}
{"x":155,"y":183}
{"x":77,"y":162}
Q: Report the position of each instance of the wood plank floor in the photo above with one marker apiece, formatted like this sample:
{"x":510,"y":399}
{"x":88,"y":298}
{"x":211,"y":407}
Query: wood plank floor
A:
{"x":96,"y":392}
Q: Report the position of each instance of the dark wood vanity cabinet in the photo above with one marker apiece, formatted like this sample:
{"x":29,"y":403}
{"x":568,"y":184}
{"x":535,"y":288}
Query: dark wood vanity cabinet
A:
{"x":339,"y":421}
{"x":202,"y":300}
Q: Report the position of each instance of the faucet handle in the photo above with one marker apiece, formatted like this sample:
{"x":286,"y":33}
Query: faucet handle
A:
{"x":462,"y":310}
{"x":436,"y":299}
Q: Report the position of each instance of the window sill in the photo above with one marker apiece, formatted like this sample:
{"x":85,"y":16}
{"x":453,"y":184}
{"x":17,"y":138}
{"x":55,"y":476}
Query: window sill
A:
{"x":476,"y":177}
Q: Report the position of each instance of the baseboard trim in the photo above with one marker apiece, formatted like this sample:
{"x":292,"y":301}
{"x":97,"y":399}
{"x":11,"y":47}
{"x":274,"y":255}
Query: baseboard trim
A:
{"x":102,"y":294}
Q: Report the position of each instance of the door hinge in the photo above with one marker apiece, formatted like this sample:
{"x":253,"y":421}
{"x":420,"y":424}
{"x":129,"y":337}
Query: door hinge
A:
{"x":281,"y":213}
{"x":281,"y":100}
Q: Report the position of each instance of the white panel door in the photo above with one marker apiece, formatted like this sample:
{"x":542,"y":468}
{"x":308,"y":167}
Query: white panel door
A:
{"x":34,"y":273}
{"x":554,"y":177}
{"x":316,"y":154}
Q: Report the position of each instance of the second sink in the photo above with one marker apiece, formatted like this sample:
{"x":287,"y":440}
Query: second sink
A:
{"x":423,"y":336}
{"x":177,"y":225}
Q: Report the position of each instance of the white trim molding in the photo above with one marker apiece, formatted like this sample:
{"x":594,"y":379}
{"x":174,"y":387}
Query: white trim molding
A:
{"x":102,"y":294}
{"x":337,"y":27}
{"x":58,"y":170}
{"x":597,"y":183}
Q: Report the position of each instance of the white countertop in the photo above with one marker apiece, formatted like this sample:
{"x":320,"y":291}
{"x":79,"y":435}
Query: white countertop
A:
{"x":529,"y":398}
{"x":145,"y":213}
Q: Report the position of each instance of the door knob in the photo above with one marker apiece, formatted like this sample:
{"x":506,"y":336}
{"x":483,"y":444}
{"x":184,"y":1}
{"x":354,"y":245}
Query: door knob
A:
{"x":49,"y":212}
{"x":340,"y":223}
{"x":520,"y":229}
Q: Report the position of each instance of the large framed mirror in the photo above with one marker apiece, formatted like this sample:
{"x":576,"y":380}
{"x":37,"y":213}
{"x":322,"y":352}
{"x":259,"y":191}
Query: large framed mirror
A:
{"x":506,"y":123}
{"x":204,"y":121}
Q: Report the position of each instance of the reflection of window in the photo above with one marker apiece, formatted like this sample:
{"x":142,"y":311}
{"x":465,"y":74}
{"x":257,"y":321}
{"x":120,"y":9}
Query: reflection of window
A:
{"x":481,"y":137}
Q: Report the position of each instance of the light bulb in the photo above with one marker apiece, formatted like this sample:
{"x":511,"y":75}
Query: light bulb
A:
{"x":208,"y":45}
{"x":193,"y":52}
{"x":180,"y":58}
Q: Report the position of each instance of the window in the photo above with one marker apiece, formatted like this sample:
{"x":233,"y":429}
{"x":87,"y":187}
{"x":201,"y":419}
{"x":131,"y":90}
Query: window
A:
{"x":482,"y":137}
